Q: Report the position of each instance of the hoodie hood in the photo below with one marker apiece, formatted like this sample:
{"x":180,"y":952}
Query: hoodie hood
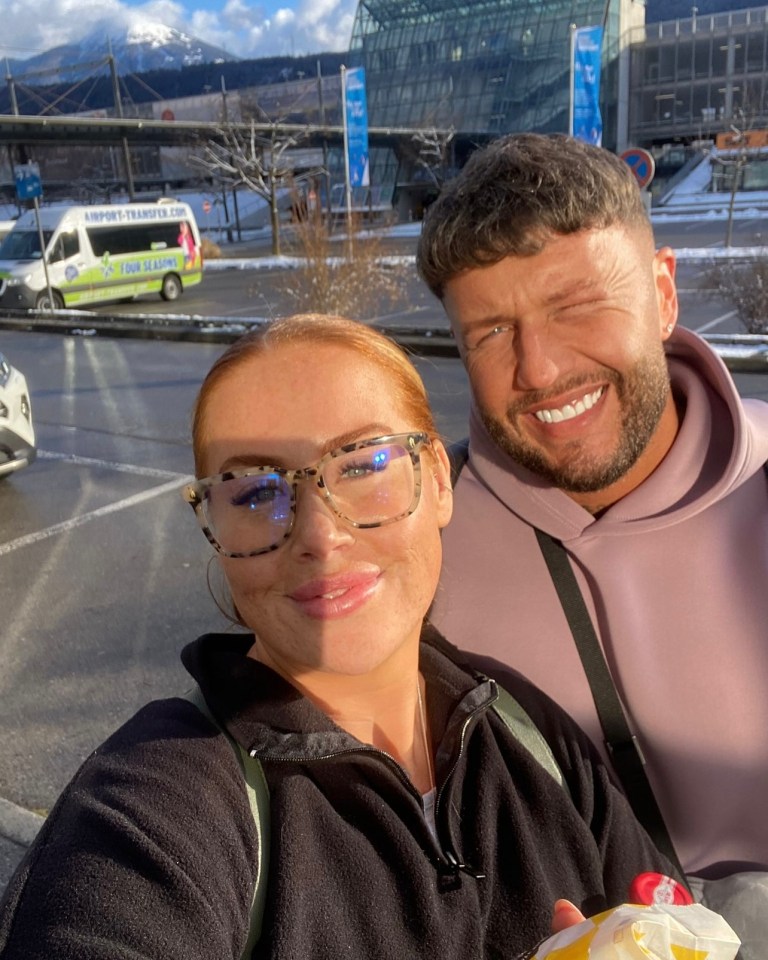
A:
{"x":722,"y":441}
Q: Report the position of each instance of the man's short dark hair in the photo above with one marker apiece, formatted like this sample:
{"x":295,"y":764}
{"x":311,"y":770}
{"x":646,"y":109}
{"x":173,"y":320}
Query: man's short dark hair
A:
{"x":514,"y":194}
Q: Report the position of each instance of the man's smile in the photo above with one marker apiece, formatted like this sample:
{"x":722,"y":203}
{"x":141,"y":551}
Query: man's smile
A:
{"x":569,"y":410}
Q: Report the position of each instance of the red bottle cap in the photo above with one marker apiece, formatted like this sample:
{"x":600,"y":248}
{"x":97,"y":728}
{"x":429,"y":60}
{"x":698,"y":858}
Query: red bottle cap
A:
{"x":650,"y":888}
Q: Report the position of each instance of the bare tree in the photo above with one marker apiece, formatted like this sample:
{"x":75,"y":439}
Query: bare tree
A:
{"x":362,"y":283}
{"x":433,"y":152}
{"x":737,"y":134}
{"x":743,"y":283}
{"x":258,"y":160}
{"x":734,"y":166}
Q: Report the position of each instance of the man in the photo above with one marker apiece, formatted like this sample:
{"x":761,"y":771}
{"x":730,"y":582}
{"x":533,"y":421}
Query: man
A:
{"x":598,"y":421}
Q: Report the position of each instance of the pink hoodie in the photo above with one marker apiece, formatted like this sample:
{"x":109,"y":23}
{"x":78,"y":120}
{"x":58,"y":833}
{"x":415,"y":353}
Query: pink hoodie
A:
{"x":675,"y":576}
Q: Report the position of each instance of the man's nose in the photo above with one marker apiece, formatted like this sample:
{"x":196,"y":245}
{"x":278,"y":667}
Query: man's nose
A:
{"x":537,"y":358}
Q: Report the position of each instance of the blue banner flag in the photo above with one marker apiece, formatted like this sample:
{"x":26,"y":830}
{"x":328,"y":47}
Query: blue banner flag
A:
{"x":587,"y":124}
{"x":357,"y":127}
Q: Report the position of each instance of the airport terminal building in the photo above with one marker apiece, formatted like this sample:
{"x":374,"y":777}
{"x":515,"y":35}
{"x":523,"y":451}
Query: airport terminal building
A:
{"x":488,"y":67}
{"x":497,"y":66}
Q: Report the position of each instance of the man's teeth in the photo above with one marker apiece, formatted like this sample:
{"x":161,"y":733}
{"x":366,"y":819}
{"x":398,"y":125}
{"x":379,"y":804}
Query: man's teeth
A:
{"x":570,"y":410}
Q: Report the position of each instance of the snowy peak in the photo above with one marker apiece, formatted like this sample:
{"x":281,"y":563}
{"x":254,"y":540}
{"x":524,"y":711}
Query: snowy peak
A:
{"x":138,"y":46}
{"x":145,"y":44}
{"x":154,"y":34}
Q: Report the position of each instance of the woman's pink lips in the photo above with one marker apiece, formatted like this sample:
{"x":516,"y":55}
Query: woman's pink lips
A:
{"x":328,"y":598}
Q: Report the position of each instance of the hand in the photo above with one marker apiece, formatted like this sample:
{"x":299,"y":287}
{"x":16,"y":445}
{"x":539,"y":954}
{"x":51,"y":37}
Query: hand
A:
{"x":565,"y":915}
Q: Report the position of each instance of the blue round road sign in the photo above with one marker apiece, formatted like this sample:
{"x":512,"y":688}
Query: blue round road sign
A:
{"x":641,"y":163}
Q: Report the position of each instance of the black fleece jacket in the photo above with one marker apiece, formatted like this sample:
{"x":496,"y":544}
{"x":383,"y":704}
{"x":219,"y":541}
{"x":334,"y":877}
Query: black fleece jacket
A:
{"x":150,"y":850}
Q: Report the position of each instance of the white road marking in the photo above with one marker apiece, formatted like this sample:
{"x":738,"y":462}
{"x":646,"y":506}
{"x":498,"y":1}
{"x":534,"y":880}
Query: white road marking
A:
{"x":111,"y":465}
{"x":715,"y":322}
{"x":67,"y":525}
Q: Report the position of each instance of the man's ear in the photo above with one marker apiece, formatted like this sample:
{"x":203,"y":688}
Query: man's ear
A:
{"x":442,"y":480}
{"x":664,"y":266}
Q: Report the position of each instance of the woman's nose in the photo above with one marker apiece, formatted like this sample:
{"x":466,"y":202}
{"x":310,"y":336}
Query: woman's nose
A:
{"x":317,"y":530}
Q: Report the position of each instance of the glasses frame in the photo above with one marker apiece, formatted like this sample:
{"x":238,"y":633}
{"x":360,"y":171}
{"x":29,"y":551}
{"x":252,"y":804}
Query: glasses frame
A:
{"x":413,"y":441}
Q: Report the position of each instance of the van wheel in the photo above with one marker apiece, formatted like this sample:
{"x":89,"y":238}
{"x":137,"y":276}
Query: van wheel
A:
{"x":44,"y":303}
{"x":171,"y":288}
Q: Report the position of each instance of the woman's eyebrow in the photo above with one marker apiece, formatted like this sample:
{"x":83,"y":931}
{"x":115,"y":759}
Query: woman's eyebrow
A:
{"x":245,"y":460}
{"x":242,"y":461}
{"x":361,"y":433}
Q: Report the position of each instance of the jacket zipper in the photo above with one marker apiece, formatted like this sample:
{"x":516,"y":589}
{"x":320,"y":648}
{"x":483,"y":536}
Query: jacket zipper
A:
{"x":449,"y":857}
{"x":455,"y":863}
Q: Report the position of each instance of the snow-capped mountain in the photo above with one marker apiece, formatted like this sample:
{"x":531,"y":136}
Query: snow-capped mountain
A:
{"x":140,"y":46}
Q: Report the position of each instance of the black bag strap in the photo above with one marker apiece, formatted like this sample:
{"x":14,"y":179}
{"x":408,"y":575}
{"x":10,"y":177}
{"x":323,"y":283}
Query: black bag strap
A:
{"x":623,"y":746}
{"x":258,"y":800}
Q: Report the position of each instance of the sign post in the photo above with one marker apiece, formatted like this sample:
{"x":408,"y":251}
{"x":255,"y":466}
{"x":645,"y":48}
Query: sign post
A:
{"x":29,"y":186}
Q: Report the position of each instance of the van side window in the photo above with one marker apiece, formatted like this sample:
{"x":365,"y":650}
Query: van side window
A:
{"x":133,"y":238}
{"x":70,"y":244}
{"x":67,"y":245}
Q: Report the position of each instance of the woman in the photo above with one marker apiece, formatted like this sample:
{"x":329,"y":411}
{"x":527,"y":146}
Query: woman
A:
{"x":406,"y":819}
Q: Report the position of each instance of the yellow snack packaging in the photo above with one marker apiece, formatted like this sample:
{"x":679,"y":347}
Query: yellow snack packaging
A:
{"x":660,"y":931}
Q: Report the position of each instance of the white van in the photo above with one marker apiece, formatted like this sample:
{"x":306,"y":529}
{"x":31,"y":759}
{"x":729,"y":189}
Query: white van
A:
{"x":5,"y":228}
{"x":100,"y":253}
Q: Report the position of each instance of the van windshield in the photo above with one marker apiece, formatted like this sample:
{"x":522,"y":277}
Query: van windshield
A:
{"x":23,"y":245}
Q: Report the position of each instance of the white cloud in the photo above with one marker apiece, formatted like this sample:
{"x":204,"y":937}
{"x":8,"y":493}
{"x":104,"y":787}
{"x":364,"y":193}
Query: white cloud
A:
{"x":241,"y":28}
{"x":284,"y":18}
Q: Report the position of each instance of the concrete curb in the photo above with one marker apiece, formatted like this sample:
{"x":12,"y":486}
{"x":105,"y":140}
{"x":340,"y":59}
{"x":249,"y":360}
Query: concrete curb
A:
{"x":742,"y":353}
{"x":436,"y":341}
{"x":17,"y":824}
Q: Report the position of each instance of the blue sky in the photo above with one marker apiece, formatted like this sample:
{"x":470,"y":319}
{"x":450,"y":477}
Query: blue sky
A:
{"x":243,"y":28}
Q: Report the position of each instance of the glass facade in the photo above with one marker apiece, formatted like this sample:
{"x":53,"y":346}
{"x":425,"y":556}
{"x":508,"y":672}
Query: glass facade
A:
{"x":692,"y":78}
{"x":480,"y":66}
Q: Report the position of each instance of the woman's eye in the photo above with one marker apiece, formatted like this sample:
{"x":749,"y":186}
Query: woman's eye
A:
{"x":374,"y":463}
{"x":255,"y":495}
{"x":354,"y":470}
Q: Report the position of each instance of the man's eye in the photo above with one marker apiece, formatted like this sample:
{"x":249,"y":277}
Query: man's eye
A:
{"x":493,"y":334}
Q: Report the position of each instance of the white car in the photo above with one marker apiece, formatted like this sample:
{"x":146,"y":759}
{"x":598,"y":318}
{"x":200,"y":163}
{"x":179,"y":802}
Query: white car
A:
{"x":17,"y":435}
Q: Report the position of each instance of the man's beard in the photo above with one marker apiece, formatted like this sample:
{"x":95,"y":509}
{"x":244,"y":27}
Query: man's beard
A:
{"x":642,"y":393}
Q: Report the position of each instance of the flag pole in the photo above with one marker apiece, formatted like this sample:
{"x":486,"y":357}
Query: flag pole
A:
{"x":572,"y":84}
{"x":347,"y":184}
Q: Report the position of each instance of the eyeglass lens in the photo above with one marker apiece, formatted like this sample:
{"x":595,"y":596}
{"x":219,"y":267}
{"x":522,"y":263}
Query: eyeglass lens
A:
{"x":369,"y":486}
